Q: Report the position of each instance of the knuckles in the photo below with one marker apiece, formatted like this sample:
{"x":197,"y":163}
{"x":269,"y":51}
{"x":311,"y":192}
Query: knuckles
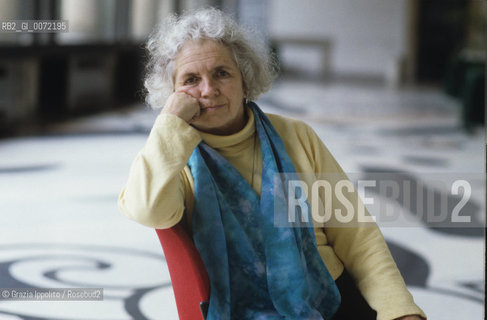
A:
{"x":182,"y":105}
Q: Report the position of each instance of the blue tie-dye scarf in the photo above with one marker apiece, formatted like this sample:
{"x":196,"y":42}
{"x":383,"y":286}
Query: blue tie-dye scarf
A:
{"x":256,"y":270}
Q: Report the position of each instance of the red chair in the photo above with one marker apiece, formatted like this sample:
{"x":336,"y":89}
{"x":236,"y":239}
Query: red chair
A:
{"x":188,"y":274}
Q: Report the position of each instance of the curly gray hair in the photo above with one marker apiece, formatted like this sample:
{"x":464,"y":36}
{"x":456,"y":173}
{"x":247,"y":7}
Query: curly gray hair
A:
{"x":257,"y":65}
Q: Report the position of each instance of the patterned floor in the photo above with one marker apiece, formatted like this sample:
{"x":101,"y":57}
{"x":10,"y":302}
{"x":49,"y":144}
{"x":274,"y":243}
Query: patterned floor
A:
{"x":60,"y":227}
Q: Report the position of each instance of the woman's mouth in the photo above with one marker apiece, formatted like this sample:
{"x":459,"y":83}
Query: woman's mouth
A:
{"x":212,"y":108}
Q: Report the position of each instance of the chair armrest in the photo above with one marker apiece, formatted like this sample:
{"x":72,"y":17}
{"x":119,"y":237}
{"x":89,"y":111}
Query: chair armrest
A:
{"x":188,"y":274}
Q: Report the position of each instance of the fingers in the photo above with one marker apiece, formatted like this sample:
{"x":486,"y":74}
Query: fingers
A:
{"x":195,"y":116}
{"x":182,"y":105}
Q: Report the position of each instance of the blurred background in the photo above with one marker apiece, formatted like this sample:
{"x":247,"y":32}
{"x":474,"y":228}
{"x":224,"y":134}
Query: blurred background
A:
{"x":389,"y":85}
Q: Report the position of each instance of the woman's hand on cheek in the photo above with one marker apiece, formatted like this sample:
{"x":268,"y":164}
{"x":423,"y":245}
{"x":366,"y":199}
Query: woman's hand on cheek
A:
{"x":182,"y":105}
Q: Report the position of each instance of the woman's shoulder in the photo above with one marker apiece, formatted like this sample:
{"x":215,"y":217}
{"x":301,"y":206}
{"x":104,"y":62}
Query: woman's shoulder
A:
{"x":301,"y":142}
{"x":303,"y":145}
{"x":286,"y":125}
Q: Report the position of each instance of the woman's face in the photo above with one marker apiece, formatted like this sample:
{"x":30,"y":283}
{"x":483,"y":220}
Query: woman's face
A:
{"x":206,"y":70}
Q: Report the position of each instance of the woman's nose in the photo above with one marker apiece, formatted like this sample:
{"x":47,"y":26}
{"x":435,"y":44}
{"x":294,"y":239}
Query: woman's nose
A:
{"x":208,"y":88}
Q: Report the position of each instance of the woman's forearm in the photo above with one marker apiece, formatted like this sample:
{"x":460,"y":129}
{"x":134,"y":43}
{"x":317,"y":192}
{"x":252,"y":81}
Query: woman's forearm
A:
{"x":154,"y":193}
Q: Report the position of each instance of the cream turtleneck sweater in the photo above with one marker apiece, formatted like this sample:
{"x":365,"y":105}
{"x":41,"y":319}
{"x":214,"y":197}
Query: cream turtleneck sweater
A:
{"x":160,"y":191}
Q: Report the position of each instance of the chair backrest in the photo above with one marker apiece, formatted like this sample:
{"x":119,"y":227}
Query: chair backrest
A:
{"x":188,"y":274}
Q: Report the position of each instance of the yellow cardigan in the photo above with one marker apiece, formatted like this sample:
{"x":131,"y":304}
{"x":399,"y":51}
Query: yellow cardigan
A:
{"x":160,"y":191}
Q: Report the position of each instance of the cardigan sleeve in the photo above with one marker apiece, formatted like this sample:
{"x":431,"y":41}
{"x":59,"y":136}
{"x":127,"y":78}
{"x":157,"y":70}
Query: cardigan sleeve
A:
{"x":154,"y":194}
{"x":363,"y":251}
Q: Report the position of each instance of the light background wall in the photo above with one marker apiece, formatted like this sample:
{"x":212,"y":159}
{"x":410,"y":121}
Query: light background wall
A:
{"x":369,"y":37}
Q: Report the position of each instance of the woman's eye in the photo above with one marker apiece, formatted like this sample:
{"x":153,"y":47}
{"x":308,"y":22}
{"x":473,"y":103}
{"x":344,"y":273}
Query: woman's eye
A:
{"x":190,"y":80}
{"x":222,"y":73}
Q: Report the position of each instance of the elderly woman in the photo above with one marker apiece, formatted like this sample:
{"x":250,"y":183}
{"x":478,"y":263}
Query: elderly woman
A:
{"x":209,"y":163}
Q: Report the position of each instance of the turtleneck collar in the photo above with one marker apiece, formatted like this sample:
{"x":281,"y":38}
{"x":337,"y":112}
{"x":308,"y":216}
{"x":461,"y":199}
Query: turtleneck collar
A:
{"x":239,"y":138}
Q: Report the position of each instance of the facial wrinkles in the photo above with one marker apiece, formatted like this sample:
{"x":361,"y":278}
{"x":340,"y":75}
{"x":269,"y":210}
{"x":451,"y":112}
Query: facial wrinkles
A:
{"x":202,"y":63}
{"x":197,"y":72}
{"x":191,"y":61}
